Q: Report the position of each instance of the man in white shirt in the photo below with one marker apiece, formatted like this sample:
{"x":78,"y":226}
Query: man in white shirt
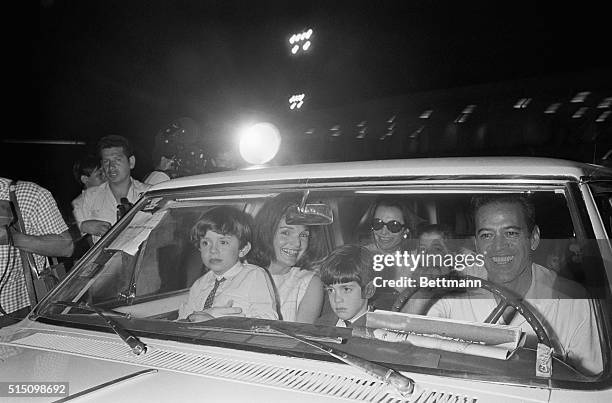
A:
{"x":99,"y":210}
{"x":506,"y":235}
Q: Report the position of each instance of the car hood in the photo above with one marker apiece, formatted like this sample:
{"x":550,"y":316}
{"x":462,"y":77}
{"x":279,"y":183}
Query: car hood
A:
{"x":105,"y":381}
{"x":109,"y":371}
{"x":101,"y":367}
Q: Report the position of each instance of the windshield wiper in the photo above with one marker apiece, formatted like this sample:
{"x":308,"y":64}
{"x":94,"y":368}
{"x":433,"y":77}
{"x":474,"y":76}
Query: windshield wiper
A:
{"x":403,"y":384}
{"x":137,"y":346}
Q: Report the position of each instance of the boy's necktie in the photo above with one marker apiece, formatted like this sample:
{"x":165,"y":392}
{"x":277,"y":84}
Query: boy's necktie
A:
{"x":347,"y":323}
{"x":211,"y":296}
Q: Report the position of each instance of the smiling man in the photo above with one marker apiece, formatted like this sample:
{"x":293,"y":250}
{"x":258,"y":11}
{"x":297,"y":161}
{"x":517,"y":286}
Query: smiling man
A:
{"x":507,"y":235}
{"x":99,"y":209}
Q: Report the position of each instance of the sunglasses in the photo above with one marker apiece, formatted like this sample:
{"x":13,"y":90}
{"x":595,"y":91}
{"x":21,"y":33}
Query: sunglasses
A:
{"x":393,"y":226}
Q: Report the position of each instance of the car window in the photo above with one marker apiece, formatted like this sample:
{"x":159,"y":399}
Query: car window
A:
{"x":149,"y":262}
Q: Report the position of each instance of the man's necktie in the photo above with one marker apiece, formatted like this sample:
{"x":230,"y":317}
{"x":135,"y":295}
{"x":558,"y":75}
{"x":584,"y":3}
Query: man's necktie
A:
{"x":347,"y":323}
{"x":211,"y":296}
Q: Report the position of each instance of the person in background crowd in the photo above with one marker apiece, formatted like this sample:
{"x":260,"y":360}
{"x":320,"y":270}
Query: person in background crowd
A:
{"x":46,"y":234}
{"x":101,"y":203}
{"x":88,"y":173}
{"x":165,"y":164}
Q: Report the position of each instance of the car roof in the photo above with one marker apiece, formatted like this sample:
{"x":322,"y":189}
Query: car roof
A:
{"x":460,"y":167}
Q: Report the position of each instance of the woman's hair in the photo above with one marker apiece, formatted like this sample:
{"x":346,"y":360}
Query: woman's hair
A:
{"x":347,"y":263}
{"x":411,"y":220}
{"x":266,"y":224}
{"x":224,"y":220}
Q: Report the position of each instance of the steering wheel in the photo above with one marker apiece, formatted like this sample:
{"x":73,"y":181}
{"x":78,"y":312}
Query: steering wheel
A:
{"x":507,"y":299}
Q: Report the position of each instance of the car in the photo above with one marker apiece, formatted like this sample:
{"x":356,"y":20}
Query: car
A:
{"x":109,"y":330}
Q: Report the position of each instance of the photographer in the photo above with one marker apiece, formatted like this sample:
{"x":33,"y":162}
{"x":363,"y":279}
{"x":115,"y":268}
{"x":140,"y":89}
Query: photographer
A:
{"x":178,"y":151}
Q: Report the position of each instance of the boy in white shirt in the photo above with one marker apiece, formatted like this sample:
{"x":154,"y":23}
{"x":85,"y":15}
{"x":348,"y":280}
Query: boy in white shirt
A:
{"x":230,"y":287}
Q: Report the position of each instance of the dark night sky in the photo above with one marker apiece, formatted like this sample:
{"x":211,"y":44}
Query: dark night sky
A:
{"x":131,"y":67}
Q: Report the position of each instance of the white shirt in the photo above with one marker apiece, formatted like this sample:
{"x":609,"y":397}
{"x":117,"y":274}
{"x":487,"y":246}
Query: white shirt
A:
{"x":569,"y":322}
{"x":156,"y":177}
{"x":247,"y":285}
{"x":291,"y":288}
{"x":99,"y":203}
{"x":77,"y":203}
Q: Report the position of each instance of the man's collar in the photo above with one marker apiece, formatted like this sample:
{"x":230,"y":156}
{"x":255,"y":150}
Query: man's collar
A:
{"x":130,"y":190}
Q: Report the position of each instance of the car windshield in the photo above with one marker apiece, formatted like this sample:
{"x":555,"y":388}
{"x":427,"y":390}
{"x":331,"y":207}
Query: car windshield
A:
{"x":148,"y":263}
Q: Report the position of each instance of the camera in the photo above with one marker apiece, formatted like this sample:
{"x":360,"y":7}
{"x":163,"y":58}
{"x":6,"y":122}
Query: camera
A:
{"x":180,"y":141}
{"x":123,"y":208}
{"x":192,"y":160}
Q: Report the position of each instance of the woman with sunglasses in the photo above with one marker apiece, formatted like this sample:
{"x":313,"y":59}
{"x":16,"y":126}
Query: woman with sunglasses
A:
{"x":391,"y":225}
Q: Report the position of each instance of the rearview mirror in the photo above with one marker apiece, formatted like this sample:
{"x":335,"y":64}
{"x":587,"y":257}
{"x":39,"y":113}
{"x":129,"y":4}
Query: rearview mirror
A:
{"x":309,"y":214}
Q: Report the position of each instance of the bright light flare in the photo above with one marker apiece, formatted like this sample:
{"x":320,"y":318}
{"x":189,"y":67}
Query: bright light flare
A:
{"x":259,"y":143}
{"x":552,"y":108}
{"x":522,"y":103}
{"x":426,"y":114}
{"x":301,"y":41}
{"x":603,"y":117}
{"x":296,"y":101}
{"x":580,"y":97}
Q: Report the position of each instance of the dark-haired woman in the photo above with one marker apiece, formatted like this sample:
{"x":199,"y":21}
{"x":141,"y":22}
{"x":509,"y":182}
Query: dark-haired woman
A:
{"x":287,"y":251}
